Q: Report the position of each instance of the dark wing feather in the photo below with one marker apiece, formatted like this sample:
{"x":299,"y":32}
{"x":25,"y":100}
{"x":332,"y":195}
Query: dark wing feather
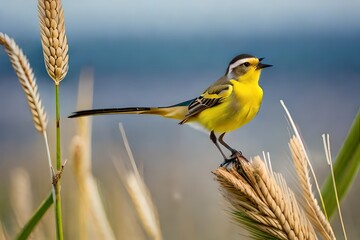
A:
{"x":210,"y":98}
{"x":201,"y":103}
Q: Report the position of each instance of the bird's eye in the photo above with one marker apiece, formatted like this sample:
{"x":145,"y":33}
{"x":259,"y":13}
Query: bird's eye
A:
{"x":246,"y":64}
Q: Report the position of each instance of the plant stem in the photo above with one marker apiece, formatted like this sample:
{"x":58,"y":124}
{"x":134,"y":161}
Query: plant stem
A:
{"x":58,"y":138}
{"x":346,"y":167}
{"x":34,"y":220}
{"x":57,"y":179}
{"x":58,"y":215}
{"x":48,"y":155}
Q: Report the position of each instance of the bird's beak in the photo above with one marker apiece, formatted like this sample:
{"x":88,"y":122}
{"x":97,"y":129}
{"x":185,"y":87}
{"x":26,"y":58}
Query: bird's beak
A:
{"x":262,"y":65}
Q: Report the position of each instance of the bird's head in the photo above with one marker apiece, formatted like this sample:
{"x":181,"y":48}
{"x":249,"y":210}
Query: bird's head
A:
{"x":245,"y":67}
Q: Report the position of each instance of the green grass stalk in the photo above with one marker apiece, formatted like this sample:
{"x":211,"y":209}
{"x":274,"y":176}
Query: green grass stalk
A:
{"x":59,"y":227}
{"x":57,"y":180}
{"x":55,"y":50}
{"x":58,"y":135}
{"x":27,"y":80}
{"x":34,"y":220}
{"x":346,"y":168}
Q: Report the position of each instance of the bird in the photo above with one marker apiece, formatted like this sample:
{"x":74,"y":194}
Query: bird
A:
{"x":226,"y":105}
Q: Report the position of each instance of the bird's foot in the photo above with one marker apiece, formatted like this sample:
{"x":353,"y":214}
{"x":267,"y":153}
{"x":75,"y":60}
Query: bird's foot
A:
{"x":234,"y":158}
{"x":227,"y":161}
{"x":238,"y":155}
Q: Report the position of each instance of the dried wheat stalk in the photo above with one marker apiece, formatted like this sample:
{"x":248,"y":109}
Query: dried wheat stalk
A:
{"x":312,"y":207}
{"x":53,"y":38}
{"x":139,"y":193}
{"x":21,"y":195}
{"x":27,"y":80}
{"x":263,"y":202}
{"x":3,"y":234}
{"x":144,"y":206}
{"x":91,"y":210}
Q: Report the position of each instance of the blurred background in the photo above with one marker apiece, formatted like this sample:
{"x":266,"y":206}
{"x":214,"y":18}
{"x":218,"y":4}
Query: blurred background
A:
{"x":155,"y":53}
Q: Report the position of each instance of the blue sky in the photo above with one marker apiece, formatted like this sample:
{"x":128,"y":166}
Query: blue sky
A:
{"x":140,"y":17}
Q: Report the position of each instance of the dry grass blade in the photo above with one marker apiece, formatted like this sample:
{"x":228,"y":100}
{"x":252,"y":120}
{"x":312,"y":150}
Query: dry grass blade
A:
{"x":3,"y":233}
{"x":312,"y":207}
{"x":27,"y":80}
{"x":262,"y":202}
{"x":139,"y":193}
{"x":21,"y":195}
{"x":53,"y":38}
{"x":144,"y":206}
{"x":21,"y":199}
{"x":91,"y":211}
{"x":89,"y":197}
{"x":83,"y":125}
{"x":326,"y":141}
{"x":82,"y":209}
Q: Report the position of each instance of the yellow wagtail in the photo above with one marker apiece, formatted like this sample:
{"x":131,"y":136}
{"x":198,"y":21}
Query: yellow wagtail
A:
{"x":226,"y":105}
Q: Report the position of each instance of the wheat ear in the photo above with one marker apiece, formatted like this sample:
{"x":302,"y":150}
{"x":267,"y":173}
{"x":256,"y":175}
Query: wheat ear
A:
{"x":262,"y":202}
{"x":27,"y":80}
{"x":312,"y":207}
{"x":53,"y":38}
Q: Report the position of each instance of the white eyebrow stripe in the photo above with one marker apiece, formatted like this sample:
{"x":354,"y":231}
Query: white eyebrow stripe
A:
{"x":237,"y":63}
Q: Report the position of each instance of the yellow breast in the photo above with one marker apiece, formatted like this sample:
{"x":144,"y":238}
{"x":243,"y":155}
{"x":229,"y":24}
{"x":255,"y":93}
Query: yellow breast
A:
{"x":235,"y":111}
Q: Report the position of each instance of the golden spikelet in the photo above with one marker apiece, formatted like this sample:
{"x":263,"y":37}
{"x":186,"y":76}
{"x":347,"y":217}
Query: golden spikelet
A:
{"x":53,"y":38}
{"x":27,"y":80}
{"x":262,"y":202}
{"x":311,"y":205}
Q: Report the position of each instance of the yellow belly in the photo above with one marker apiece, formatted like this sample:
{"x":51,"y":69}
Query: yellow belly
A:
{"x":235,"y":111}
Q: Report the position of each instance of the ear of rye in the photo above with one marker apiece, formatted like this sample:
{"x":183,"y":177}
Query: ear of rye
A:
{"x":263,"y":203}
{"x":27,"y":80}
{"x":53,"y":38}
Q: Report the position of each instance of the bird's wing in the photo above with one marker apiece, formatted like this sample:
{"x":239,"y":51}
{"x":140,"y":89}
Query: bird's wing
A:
{"x":210,"y":98}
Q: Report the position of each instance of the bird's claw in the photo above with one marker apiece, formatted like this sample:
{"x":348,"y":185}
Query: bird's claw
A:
{"x":235,"y":156}
{"x":227,"y":161}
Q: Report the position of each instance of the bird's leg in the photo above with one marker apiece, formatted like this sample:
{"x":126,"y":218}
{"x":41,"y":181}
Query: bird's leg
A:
{"x":214,"y":140}
{"x":226,"y":161}
{"x":234,"y":153}
{"x":232,"y":150}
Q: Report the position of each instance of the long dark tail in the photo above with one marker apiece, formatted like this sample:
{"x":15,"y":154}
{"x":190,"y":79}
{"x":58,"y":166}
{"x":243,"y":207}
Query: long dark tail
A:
{"x":105,"y":111}
{"x":177,"y":111}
